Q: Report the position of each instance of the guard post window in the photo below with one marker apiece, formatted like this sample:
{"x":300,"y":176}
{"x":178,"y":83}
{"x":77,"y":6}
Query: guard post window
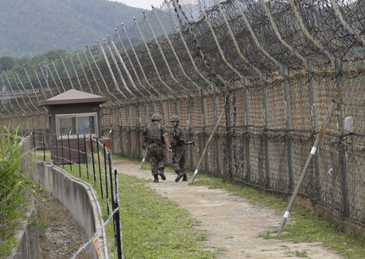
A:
{"x":78,"y":123}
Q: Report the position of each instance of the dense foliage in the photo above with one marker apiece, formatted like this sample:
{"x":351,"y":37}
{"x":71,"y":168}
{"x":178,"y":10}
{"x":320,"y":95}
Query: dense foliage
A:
{"x":30,"y":27}
{"x":14,"y":187}
{"x":15,"y":64}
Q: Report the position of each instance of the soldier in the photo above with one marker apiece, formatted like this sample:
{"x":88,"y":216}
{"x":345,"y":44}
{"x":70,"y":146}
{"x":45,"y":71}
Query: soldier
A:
{"x":179,"y":149}
{"x":156,"y":138}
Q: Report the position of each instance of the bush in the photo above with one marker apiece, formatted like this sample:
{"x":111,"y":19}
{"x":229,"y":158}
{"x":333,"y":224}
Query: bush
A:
{"x":14,"y":187}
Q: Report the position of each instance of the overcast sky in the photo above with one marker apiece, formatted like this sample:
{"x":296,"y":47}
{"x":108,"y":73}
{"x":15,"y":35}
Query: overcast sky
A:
{"x":145,"y":4}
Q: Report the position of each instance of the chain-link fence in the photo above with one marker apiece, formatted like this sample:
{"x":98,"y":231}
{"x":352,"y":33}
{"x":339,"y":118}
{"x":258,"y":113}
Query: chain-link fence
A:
{"x":272,"y":66}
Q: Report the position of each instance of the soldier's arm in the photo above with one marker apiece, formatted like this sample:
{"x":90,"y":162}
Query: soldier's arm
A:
{"x":166,"y":140}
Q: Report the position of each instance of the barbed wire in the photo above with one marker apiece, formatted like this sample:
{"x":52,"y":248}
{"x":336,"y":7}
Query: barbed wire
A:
{"x":273,"y":65}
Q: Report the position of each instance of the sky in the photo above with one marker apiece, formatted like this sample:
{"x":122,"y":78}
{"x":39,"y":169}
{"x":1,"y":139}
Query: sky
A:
{"x":145,"y":4}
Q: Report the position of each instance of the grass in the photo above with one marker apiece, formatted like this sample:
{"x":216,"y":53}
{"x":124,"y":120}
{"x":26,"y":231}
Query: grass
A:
{"x":152,"y":226}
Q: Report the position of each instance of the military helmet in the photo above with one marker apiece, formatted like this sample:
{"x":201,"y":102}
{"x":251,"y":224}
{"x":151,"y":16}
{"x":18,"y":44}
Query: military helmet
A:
{"x":175,"y":118}
{"x":156,"y":117}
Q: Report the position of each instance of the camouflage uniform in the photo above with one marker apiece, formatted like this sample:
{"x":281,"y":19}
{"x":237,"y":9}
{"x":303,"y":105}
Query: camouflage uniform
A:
{"x":156,"y":151}
{"x":179,"y":148}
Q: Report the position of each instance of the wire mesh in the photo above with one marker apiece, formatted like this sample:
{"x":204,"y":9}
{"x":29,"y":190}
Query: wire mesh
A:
{"x":272,"y":67}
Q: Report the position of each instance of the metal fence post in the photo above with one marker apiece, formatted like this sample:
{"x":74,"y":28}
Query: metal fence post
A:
{"x":190,"y":107}
{"x":342,"y":138}
{"x":117,"y":219}
{"x":204,"y":113}
{"x":247,"y":127}
{"x":317,"y":159}
{"x":44,"y":145}
{"x":78,"y":153}
{"x":86,"y":157}
{"x":99,"y":166}
{"x":218,"y":139}
{"x":288,"y":129}
{"x":121,"y":138}
{"x":138,"y":130}
{"x":229,"y":144}
{"x":129,"y":129}
{"x":106,"y":177}
{"x":63,"y":157}
{"x":69,"y":150}
{"x":92,"y":156}
{"x":266,"y":137}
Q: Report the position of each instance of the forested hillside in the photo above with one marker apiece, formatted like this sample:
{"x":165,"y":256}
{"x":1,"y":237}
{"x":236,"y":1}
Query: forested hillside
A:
{"x":30,"y":27}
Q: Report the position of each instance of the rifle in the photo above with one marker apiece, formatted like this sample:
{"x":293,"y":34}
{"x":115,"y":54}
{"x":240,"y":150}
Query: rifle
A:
{"x":149,"y":140}
{"x":178,"y":140}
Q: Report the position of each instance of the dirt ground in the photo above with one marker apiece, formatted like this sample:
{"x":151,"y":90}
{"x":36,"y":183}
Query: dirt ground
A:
{"x":59,"y":237}
{"x":232,"y":223}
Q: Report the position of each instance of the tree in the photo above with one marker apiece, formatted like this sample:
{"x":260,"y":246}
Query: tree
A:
{"x":6,"y":63}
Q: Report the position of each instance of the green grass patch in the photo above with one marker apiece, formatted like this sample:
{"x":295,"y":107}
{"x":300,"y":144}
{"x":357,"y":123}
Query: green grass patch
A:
{"x":152,"y":226}
{"x":308,"y":227}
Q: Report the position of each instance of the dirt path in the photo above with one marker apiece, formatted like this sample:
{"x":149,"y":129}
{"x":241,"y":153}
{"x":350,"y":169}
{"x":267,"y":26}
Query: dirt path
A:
{"x":231,"y":222}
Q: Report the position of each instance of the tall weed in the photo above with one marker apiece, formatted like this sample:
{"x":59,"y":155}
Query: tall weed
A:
{"x":14,"y":188}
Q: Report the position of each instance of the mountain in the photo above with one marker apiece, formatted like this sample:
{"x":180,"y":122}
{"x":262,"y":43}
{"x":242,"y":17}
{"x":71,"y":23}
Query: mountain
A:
{"x":30,"y":27}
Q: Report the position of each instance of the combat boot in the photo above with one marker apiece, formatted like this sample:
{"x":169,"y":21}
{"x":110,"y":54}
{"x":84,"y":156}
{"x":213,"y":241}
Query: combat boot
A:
{"x":180,"y":174}
{"x":185,"y":178}
{"x":156,"y":178}
{"x":161,"y":173}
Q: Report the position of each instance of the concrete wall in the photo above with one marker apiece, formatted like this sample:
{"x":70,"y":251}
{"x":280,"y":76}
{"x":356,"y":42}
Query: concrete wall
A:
{"x":77,"y":197}
{"x":74,"y":194}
